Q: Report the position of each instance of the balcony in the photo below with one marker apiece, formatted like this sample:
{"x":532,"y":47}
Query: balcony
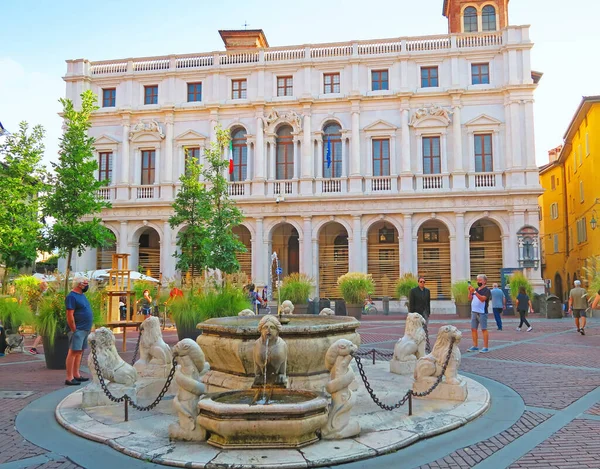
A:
{"x":145,"y":192}
{"x":106,"y":193}
{"x":485,"y":180}
{"x":381,"y":183}
{"x":238,"y":189}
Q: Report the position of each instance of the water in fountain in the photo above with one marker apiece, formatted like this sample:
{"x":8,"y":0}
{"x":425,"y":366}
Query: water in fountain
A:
{"x":264,"y":398}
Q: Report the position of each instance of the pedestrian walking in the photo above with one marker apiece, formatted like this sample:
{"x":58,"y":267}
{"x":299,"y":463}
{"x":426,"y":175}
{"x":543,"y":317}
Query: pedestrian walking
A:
{"x":80,"y":319}
{"x":480,"y":298}
{"x":498,"y":304}
{"x":523,"y":304}
{"x":577,"y":306}
{"x":419,"y":300}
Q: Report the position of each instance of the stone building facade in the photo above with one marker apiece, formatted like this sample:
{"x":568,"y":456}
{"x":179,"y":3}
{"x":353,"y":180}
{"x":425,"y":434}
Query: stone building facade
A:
{"x":411,"y":154}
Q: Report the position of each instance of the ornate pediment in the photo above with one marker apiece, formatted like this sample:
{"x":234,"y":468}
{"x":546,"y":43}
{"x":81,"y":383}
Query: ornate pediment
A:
{"x":380,"y":126}
{"x":106,"y":140}
{"x":482,"y":120}
{"x":149,"y":128}
{"x":431,"y":116}
{"x":190,"y":135}
{"x":275,"y":118}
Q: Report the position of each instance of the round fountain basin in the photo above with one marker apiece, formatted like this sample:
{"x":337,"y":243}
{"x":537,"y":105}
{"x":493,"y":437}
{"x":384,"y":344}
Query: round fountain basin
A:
{"x":290,"y":420}
{"x":228,"y":344}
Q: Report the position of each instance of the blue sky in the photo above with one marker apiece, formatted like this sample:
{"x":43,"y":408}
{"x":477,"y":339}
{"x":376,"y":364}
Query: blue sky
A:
{"x":37,"y":36}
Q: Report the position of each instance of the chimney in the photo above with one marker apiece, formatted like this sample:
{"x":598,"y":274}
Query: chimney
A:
{"x":554,"y":153}
{"x":241,"y":39}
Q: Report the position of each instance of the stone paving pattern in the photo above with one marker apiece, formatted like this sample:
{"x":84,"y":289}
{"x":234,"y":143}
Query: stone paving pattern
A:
{"x":550,"y":368}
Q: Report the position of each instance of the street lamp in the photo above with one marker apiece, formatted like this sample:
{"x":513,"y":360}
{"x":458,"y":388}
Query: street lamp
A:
{"x":594,"y":221}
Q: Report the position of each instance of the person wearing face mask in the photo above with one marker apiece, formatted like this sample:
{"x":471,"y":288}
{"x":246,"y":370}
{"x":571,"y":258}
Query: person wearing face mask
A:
{"x":479,"y":298}
{"x":80,"y":320}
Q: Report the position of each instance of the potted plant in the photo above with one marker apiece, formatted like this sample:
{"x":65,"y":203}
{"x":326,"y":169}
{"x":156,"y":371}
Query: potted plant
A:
{"x":460,"y":293}
{"x":14,"y":314}
{"x":514,"y":282}
{"x":208,"y":302}
{"x":297,"y":289}
{"x":355,"y":287}
{"x":404,"y":285}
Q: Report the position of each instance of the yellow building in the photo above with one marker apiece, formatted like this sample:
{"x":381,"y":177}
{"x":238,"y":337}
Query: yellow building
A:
{"x":570,"y":204}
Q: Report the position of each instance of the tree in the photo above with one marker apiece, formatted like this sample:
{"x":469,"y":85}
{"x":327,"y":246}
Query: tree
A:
{"x":72,"y":199}
{"x":22,"y":177}
{"x":208,"y":242}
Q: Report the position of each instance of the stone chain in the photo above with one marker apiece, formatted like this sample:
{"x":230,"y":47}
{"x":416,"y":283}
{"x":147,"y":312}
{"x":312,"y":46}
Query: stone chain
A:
{"x":410,"y":392}
{"x":137,"y":347}
{"x":126,"y":397}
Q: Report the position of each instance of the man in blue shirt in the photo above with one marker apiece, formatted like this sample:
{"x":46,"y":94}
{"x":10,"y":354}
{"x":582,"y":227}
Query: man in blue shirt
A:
{"x":498,"y":304}
{"x":80,"y":320}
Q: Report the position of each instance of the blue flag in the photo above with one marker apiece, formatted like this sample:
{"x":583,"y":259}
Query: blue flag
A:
{"x":328,"y":153}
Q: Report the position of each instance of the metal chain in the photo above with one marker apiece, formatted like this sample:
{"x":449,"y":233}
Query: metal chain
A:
{"x":380,"y":353}
{"x":410,"y":392}
{"x":137,"y":347}
{"x":427,"y":345}
{"x":126,"y":396}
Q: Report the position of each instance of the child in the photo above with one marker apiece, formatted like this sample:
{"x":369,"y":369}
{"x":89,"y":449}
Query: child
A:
{"x":523,"y":303}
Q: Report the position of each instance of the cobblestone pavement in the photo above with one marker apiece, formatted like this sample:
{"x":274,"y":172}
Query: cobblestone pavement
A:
{"x":555,"y":370}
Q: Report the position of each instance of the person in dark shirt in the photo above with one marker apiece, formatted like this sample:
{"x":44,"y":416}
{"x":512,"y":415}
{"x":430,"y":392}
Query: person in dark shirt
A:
{"x":480,"y":298}
{"x":419,"y":300}
{"x":80,"y":320}
{"x":523,"y":304}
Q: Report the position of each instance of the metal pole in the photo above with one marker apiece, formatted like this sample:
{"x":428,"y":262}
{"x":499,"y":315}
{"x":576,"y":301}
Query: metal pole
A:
{"x":410,"y":404}
{"x":126,"y":408}
{"x":373,"y":356}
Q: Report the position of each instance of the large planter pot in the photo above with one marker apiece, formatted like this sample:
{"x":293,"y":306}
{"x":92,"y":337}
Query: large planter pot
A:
{"x":188,"y":332}
{"x":56,"y":356}
{"x":354,"y":310}
{"x":301,"y":309}
{"x":463,"y":311}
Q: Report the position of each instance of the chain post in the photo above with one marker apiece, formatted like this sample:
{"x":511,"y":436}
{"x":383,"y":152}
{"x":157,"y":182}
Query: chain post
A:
{"x":126,"y":409}
{"x":410,"y":404}
{"x":373,"y":356}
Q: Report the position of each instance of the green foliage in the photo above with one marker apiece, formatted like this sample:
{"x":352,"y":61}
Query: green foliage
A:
{"x":72,"y":199}
{"x":593,"y":274}
{"x":516,"y":280}
{"x":14,"y":314}
{"x":405,"y":284}
{"x":49,"y":265}
{"x":21,"y":180}
{"x":27,"y":290}
{"x":460,"y":292}
{"x":211,"y":302}
{"x":208,"y":214}
{"x":355,"y":286}
{"x":296,"y":288}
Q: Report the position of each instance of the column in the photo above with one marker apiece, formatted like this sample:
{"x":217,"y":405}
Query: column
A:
{"x":518,"y":177}
{"x":297,"y":150}
{"x":258,"y":254}
{"x":357,"y":247}
{"x":167,"y":264}
{"x":458,"y":178}
{"x":158,"y":162}
{"x":271,"y":173}
{"x":168,"y":166}
{"x":307,"y":148}
{"x":319,"y":157}
{"x":249,"y":160}
{"x":315,"y":264}
{"x":530,"y":138}
{"x":407,"y":248}
{"x":461,"y":243}
{"x":355,"y":161}
{"x":125,"y":152}
{"x":258,"y":159}
{"x":307,"y":256}
{"x":123,"y":234}
{"x":344,"y":156}
{"x":406,"y":177}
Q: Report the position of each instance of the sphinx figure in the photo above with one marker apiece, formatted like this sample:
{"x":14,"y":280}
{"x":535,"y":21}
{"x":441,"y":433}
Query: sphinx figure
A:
{"x":411,"y":347}
{"x":287,"y":307}
{"x":190,"y":367}
{"x":155,"y":355}
{"x":337,"y":361}
{"x":270,"y":354}
{"x":327,"y":312}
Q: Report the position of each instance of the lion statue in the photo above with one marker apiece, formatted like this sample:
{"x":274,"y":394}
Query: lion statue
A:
{"x":410,"y":347}
{"x":111,"y":365}
{"x":153,"y":349}
{"x":432,"y":364}
{"x":287,"y":307}
{"x":337,"y":360}
{"x":327,"y":312}
{"x":246,"y":312}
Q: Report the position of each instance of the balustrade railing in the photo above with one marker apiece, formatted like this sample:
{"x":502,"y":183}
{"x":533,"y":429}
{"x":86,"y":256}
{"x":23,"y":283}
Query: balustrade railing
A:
{"x":107,"y":68}
{"x":239,"y":58}
{"x":427,"y":44}
{"x":380,"y":48}
{"x":331,"y":185}
{"x":147,"y":192}
{"x":194,"y":62}
{"x":434,"y":181}
{"x":485,"y":180}
{"x":236,"y":189}
{"x":479,"y":40}
{"x":151,"y":65}
{"x":105,"y":193}
{"x":283,"y":187}
{"x":280,"y":55}
{"x":381,"y":184}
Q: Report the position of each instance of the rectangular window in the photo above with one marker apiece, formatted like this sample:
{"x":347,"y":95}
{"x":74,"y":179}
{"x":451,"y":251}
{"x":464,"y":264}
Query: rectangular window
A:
{"x":480,"y":74}
{"x":429,"y":77}
{"x":331,"y":83}
{"x":379,"y":80}
{"x":105,"y":166}
{"x":476,"y":233}
{"x":109,"y":97}
{"x":431,"y":235}
{"x":587,"y":144}
{"x":552,"y":182}
{"x":194,"y":92}
{"x":580,"y":154}
{"x":555,"y":243}
{"x":285,"y":86}
{"x":581,"y":231}
{"x":148,"y":167}
{"x":581,"y":192}
{"x":151,"y":94}
{"x":554,"y":211}
{"x":381,"y":157}
{"x":239,"y":89}
{"x":431,"y":155}
{"x":483,"y":153}
{"x":189,"y":154}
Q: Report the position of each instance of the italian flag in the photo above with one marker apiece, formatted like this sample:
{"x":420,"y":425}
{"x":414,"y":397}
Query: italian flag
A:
{"x":230,"y":157}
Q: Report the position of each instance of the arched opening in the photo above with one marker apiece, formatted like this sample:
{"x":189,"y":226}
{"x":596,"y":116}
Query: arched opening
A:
{"x":433,"y":258}
{"x":244,"y":258}
{"x":485,"y":250}
{"x":149,"y":253}
{"x":333,"y":258}
{"x":285,"y":243}
{"x":104,"y":256}
{"x":332,"y":151}
{"x":284,"y":158}
{"x":488,"y":18}
{"x":239,"y":155}
{"x":470,"y":20}
{"x":558,"y":286}
{"x":383,"y":257}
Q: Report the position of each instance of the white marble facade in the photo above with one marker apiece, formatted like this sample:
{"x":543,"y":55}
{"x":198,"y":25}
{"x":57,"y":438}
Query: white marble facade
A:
{"x":403,"y":199}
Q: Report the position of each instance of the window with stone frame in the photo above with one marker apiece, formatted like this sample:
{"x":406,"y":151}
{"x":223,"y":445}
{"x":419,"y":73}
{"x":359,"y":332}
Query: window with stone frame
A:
{"x":109,"y":97}
{"x":483,"y":153}
{"x":239,"y":89}
{"x":480,"y":74}
{"x":191,"y":153}
{"x":148,"y":167}
{"x":429,"y":77}
{"x":432,"y":155}
{"x":470,"y":20}
{"x":285,"y":86}
{"x":476,"y":233}
{"x":194,"y":91}
{"x":151,"y":94}
{"x":284,"y":154}
{"x":488,"y":18}
{"x":331,"y":83}
{"x":379,"y":80}
{"x":239,"y":154}
{"x":431,"y":235}
{"x":332,"y":144}
{"x":381,"y":157}
{"x":105,"y":166}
